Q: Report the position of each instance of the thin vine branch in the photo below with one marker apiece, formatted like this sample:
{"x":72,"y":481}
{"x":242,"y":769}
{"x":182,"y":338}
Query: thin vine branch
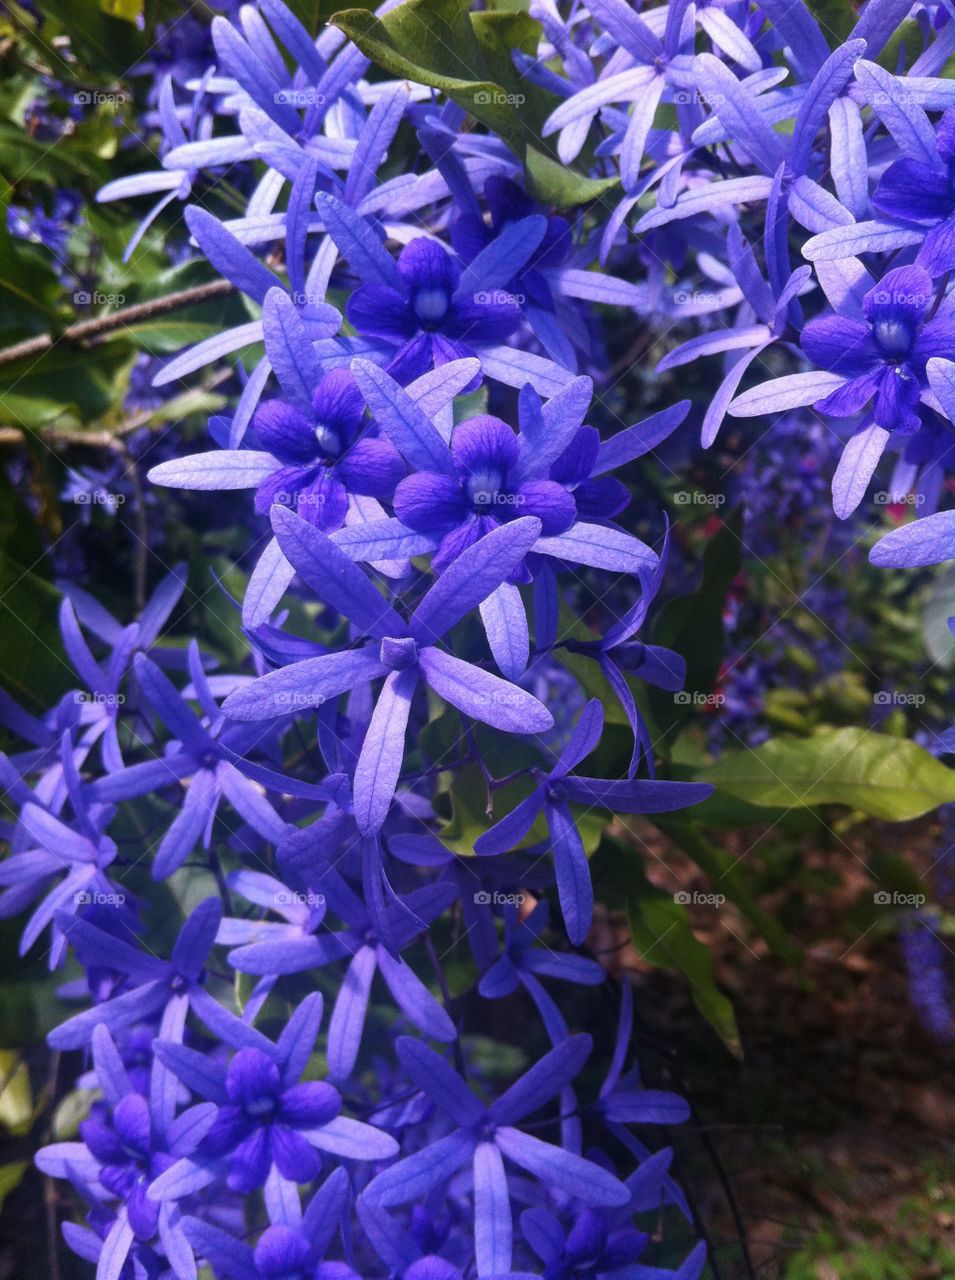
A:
{"x":99,"y":326}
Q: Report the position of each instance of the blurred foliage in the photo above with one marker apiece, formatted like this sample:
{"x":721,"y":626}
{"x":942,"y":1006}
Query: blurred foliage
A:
{"x":918,"y":1241}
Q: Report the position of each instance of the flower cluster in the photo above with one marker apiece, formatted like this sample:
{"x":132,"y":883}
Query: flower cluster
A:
{"x":380,"y":824}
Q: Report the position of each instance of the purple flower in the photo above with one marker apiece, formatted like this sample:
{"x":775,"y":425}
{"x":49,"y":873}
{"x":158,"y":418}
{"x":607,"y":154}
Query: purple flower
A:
{"x":486,"y":1136}
{"x":304,"y":945}
{"x":162,"y":989}
{"x":322,"y":458}
{"x":266,"y":1117}
{"x":485,"y":490}
{"x":524,"y":964}
{"x":917,"y":193}
{"x":501,"y":475}
{"x":423,"y":315}
{"x":926,"y":962}
{"x":599,"y":1243}
{"x":919,"y":542}
{"x":406,"y":653}
{"x":241,"y":267}
{"x":508,"y":203}
{"x":209,"y":760}
{"x":302,"y":464}
{"x":618,"y":652}
{"x":290,"y":1250}
{"x":552,"y":796}
{"x":881,"y":356}
{"x":128,"y":1140}
{"x":262,"y":1120}
{"x":83,"y":851}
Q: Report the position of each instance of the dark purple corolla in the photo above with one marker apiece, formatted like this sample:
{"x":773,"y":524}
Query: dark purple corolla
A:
{"x":486,"y":489}
{"x":311,"y":461}
{"x":882,"y":355}
{"x":921,"y":194}
{"x":293,"y":1249}
{"x":423,"y":316}
{"x":423,"y":309}
{"x":128,"y":1140}
{"x":872,"y":355}
{"x":323,"y":459}
{"x":267,"y":1117}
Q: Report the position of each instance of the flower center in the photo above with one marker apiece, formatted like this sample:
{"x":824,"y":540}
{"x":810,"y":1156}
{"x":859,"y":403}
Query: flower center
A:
{"x":329,"y":441}
{"x":487,"y":1129}
{"x":894,"y":337}
{"x":431,"y":304}
{"x":398,"y":653}
{"x":484,"y":487}
{"x":263,"y":1106}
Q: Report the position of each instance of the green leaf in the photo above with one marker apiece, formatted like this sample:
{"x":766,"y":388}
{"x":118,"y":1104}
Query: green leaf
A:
{"x":939,"y":607}
{"x":70,"y":1113}
{"x":554,"y":183}
{"x":33,"y":667}
{"x":165,"y":336}
{"x":28,"y":287}
{"x":16,"y":1096}
{"x":693,"y":626}
{"x":11,"y":1175}
{"x":106,"y":43}
{"x":882,"y":777}
{"x":468,"y":811}
{"x":432,"y":42}
{"x":836,"y":19}
{"x":128,"y":10}
{"x":467,"y":56}
{"x":66,"y":382}
{"x":661,"y":932}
